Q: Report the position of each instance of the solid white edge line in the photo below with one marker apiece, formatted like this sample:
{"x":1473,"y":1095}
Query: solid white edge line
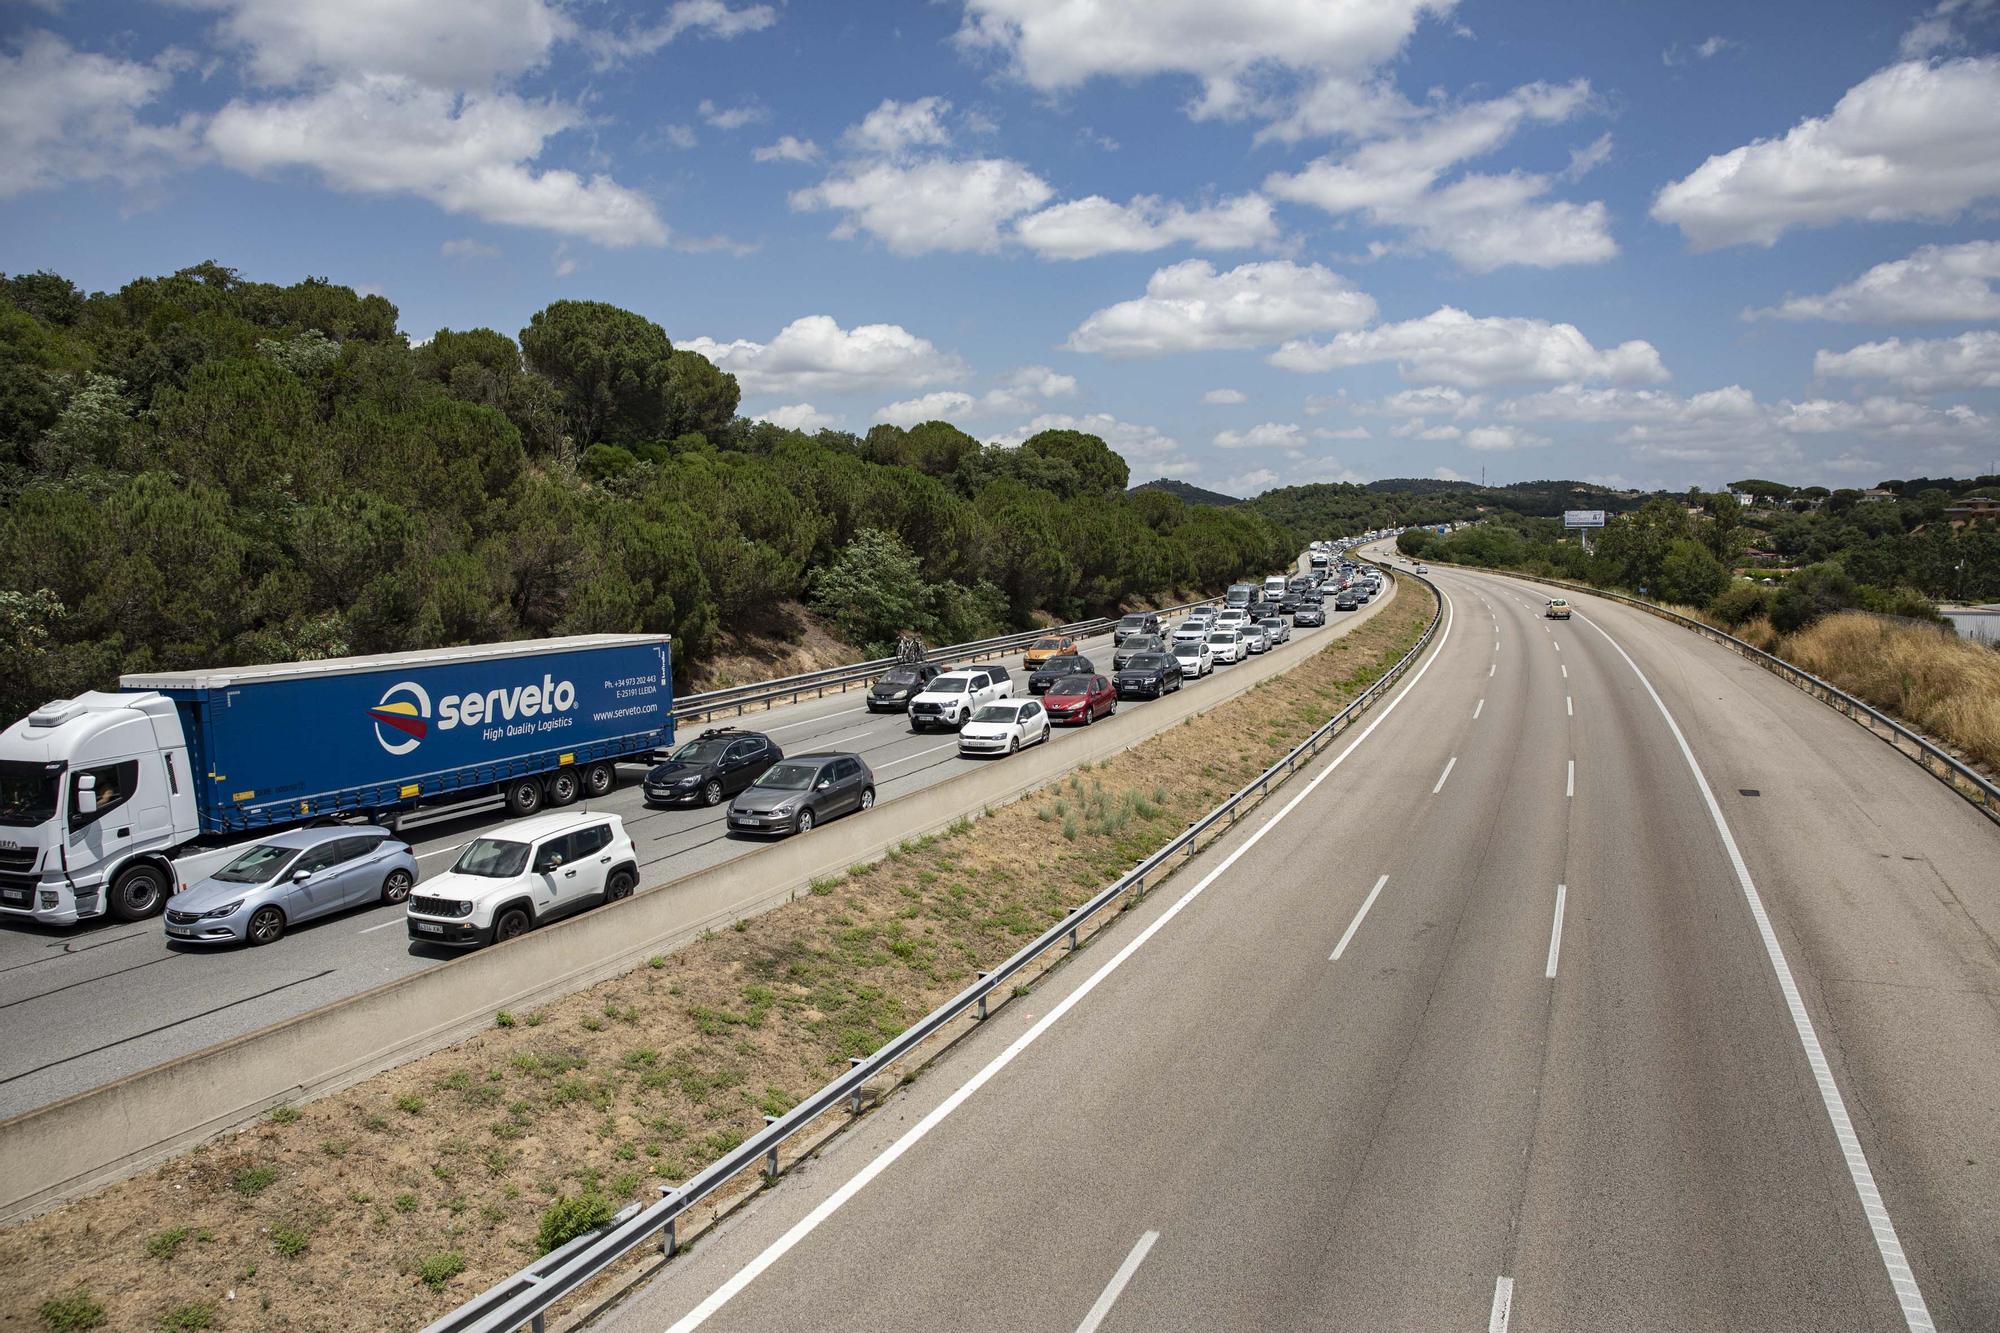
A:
{"x":1450,"y":764}
{"x":814,"y":721}
{"x":805,"y":1226}
{"x":440,"y":851}
{"x":1916,"y":1314}
{"x":1569,"y":784}
{"x":1503,"y":1305}
{"x":1355,"y":924}
{"x":948,"y":745}
{"x":370,"y":930}
{"x":1116,"y":1287}
{"x":1556,"y":933}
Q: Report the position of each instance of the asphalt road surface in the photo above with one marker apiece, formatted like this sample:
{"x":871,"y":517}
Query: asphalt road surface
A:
{"x":84,"y":1006}
{"x":1476,"y":1026}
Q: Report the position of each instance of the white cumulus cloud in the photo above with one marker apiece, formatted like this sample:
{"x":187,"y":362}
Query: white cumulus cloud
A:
{"x":1082,"y":228}
{"x":815,"y":355}
{"x":1225,"y":397}
{"x":1488,"y":438}
{"x":1191,"y":307}
{"x":939,"y":204}
{"x":1132,"y":441}
{"x":69,"y":115}
{"x":1449,"y":346}
{"x":788,"y":148}
{"x":1936,"y":282}
{"x":894,"y":128}
{"x":1269,"y":435}
{"x":1913,"y":141}
{"x":798,"y":416}
{"x":1920,"y":365}
{"x":453,"y":44}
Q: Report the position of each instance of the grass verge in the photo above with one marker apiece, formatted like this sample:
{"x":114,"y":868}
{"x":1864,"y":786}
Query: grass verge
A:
{"x":362,"y":1212}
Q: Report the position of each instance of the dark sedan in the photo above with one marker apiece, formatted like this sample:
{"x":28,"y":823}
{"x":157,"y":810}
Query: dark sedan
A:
{"x":1148,"y":676}
{"x":1081,"y":700}
{"x":793,"y":795}
{"x":717,"y":763}
{"x":1132,"y":647}
{"x":1045,"y":676}
{"x":1346,"y":601}
{"x":892,"y":693}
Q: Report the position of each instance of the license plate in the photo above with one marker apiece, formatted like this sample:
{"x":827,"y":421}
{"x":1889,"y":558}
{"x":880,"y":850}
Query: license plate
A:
{"x":181,"y":931}
{"x":430,"y":928}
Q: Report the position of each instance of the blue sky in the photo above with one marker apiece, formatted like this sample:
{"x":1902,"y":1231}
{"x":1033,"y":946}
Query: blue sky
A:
{"x":1251,"y":244}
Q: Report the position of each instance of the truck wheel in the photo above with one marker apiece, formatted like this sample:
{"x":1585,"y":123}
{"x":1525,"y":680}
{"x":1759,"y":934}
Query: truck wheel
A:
{"x":396,"y":888}
{"x":524,"y":797}
{"x":266,"y":925}
{"x":562,"y":787}
{"x":619,"y":886}
{"x":511,"y":922}
{"x":599,"y":779}
{"x":139,"y":891}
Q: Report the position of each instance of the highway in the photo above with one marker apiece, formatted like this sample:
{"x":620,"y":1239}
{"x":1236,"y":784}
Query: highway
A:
{"x":1476,"y":1025}
{"x":88,"y":1005}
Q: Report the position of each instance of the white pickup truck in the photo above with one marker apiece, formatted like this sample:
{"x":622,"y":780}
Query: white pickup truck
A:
{"x":955,"y":696}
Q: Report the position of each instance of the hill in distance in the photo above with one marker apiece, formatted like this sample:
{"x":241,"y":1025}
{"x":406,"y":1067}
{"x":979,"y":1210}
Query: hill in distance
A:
{"x":1187,"y":494}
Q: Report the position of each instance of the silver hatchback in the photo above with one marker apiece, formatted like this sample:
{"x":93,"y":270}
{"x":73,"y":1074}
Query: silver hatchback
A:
{"x":292,"y":877}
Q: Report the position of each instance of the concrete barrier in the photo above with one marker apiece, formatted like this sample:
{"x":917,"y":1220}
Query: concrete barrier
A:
{"x":97,"y":1137}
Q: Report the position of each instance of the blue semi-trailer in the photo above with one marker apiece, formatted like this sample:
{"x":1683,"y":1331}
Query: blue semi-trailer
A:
{"x":112,"y":801}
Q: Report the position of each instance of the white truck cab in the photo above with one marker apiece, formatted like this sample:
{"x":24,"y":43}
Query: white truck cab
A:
{"x":95,"y":795}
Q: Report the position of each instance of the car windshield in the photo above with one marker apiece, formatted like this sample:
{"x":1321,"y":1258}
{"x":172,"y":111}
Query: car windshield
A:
{"x":948,"y":685}
{"x":1046,"y":644}
{"x":902,"y":676}
{"x":996,"y":713}
{"x":1133,"y":620}
{"x":1227,"y":636}
{"x":700,"y":752}
{"x":27,"y":795}
{"x":789,"y":777}
{"x":1058,"y":665}
{"x":1072,"y":685}
{"x":1189,"y":649}
{"x":492,"y":858}
{"x":1147,"y":662}
{"x":260,"y":865}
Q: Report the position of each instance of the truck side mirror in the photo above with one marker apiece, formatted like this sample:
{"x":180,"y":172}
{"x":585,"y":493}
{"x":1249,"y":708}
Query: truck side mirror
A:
{"x":86,"y":794}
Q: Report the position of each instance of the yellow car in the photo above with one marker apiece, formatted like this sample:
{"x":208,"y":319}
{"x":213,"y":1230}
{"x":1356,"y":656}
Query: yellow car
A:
{"x":1052,"y":645}
{"x":1558,"y":609}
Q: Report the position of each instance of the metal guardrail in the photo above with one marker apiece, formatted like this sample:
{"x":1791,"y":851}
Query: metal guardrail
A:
{"x":527,"y":1296}
{"x":735,"y":698}
{"x":1967,"y":781}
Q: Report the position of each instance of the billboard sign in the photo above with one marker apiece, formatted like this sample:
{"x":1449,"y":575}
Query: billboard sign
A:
{"x":1583,"y":518}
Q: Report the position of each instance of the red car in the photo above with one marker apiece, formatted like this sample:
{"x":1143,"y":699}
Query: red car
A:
{"x":1081,"y":700}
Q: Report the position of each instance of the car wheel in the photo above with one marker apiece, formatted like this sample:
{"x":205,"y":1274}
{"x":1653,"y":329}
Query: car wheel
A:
{"x":524,"y":797}
{"x":867,"y":798}
{"x":804,"y":821}
{"x":599,"y":779}
{"x":1013,"y":744}
{"x":562,"y":787}
{"x":712,"y":793}
{"x":266,"y":925}
{"x":397,"y":886}
{"x":620,"y":885}
{"x":138,"y":892}
{"x":512,"y":922}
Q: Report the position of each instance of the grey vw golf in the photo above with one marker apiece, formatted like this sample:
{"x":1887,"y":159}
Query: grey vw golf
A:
{"x":794,"y":794}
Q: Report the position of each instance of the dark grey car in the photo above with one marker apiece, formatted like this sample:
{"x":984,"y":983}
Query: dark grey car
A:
{"x":796,"y":793}
{"x":1133,"y":646}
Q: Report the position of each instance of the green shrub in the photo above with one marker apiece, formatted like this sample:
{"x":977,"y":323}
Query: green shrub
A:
{"x":571,"y":1216}
{"x":76,"y":1310}
{"x":434,"y":1270}
{"x":193,"y":1315}
{"x":284,"y":1115}
{"x":167,"y":1243}
{"x":291,"y":1240}
{"x":253,"y":1180}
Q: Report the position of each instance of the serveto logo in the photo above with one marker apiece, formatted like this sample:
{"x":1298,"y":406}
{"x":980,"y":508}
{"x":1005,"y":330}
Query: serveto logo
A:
{"x":402,"y":719}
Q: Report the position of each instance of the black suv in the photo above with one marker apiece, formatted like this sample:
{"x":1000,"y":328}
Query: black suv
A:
{"x":718,"y":763}
{"x":794,"y":794}
{"x":1148,"y":676}
{"x":1133,"y":646}
{"x":893,"y":692}
{"x":1055,"y":669}
{"x":1139,"y":622}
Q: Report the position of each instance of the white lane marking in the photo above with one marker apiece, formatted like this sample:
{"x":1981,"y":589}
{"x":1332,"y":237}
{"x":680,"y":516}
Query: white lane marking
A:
{"x":1489,"y":670}
{"x":1477,"y":709}
{"x":814,"y":721}
{"x":1496,"y":645}
{"x":1556,"y":933}
{"x":1355,"y":924}
{"x":1916,"y":1314}
{"x":1503,"y":1305}
{"x":948,"y":745}
{"x":1569,"y":704}
{"x":1450,"y":764}
{"x":440,"y":851}
{"x":1559,"y":647}
{"x":916,"y":1133}
{"x":1565,"y":672}
{"x":1569,"y":784}
{"x":1117,"y":1286}
{"x":370,"y":930}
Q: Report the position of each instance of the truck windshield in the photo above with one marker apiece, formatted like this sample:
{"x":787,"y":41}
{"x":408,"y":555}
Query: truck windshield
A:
{"x":27,"y":795}
{"x":949,"y":685}
{"x":491,"y":858}
{"x":260,"y":865}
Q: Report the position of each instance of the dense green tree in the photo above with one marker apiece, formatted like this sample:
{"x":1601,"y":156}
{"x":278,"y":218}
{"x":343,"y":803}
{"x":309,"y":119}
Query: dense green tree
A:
{"x":609,"y":365}
{"x":700,"y":396}
{"x":1097,"y":468}
{"x":1689,"y":574}
{"x":1812,"y":592}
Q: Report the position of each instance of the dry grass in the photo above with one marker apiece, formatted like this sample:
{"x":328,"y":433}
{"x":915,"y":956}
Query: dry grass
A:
{"x":793,"y":642}
{"x":389,"y":1203}
{"x":1939,"y":683}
